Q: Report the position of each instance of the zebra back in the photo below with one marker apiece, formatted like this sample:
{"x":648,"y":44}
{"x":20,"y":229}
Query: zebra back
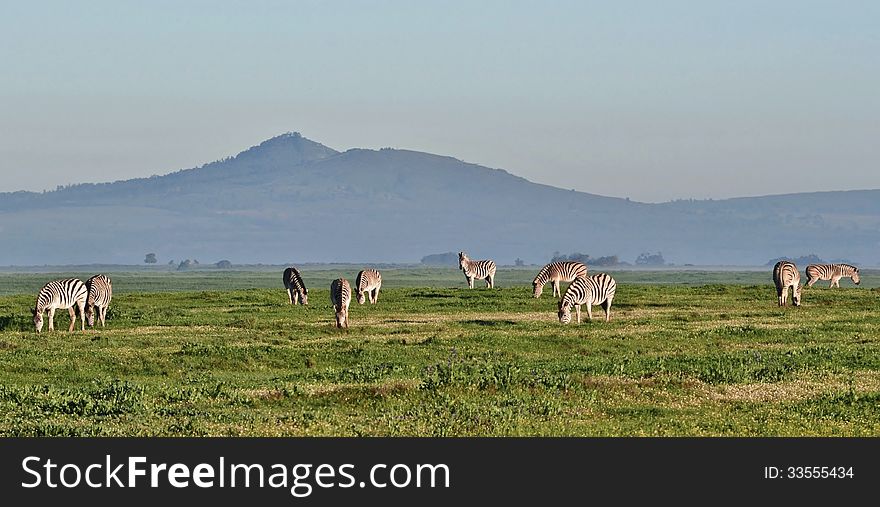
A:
{"x":828,"y":271}
{"x":592,"y":290}
{"x":561,"y":271}
{"x":293,"y":280}
{"x":477,"y":269}
{"x":368,"y":282}
{"x":61,"y":294}
{"x":100,"y":291}
{"x":368,"y":279}
{"x":786,"y":274}
{"x":340,"y":294}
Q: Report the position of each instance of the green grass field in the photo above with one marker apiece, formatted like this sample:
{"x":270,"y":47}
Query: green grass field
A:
{"x":222,"y":353}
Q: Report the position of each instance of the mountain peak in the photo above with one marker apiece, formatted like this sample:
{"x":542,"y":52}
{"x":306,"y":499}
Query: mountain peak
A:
{"x":289,"y":148}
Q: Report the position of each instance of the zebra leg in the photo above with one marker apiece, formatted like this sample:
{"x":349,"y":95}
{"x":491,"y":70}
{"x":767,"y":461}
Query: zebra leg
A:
{"x":835,"y":281}
{"x":82,"y":315}
{"x":470,"y":280}
{"x":489,"y":282}
{"x":811,"y":281}
{"x":375,"y":295}
{"x":578,"y":308}
{"x":72,"y":318}
{"x":51,"y":319}
{"x":556,"y":291}
{"x":103,"y":315}
{"x":607,"y":307}
{"x":290,"y":295}
{"x":590,"y":311}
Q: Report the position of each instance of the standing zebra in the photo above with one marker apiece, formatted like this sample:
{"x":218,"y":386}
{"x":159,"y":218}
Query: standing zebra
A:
{"x":593,"y":290}
{"x":100,"y":292}
{"x":340,"y":296}
{"x":296,"y":288}
{"x":368,"y":281}
{"x":556,"y":272}
{"x":60,"y":294}
{"x":484,"y":270}
{"x":785,"y":275}
{"x":833,"y":272}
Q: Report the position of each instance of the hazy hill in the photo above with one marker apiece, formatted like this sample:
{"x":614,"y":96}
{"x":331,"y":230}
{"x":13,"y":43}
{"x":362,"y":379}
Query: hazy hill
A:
{"x":292,"y":199}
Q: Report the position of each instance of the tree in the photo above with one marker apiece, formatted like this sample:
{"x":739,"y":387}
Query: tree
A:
{"x":224,"y":264}
{"x":519,"y":262}
{"x":649,"y":259}
{"x":150,"y":258}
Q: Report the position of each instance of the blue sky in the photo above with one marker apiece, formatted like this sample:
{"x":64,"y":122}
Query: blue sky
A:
{"x":647,"y":100}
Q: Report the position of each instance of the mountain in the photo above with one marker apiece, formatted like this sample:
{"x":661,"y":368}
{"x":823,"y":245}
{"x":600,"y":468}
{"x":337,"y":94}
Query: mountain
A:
{"x":291,"y":199}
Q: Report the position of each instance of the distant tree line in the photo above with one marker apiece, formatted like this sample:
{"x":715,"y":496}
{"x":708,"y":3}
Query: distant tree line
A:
{"x":803,"y":259}
{"x":441,"y":259}
{"x":649,"y":259}
{"x":608,"y":260}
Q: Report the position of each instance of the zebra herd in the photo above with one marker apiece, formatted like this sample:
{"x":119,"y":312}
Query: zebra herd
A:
{"x":93,"y":297}
{"x":786,"y":276}
{"x":584,"y":290}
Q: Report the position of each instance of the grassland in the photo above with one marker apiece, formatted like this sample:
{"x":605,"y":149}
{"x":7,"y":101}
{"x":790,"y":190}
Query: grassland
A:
{"x":221,"y":353}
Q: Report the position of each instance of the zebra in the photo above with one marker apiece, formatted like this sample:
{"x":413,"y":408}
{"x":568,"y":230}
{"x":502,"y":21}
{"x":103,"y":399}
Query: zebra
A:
{"x":556,"y":272}
{"x":340,"y":296}
{"x":100,"y":292}
{"x":593,"y":290}
{"x":484,"y":270}
{"x":785,"y":275}
{"x":368,"y":282}
{"x":296,"y":288}
{"x":833,"y":272}
{"x":61,"y":294}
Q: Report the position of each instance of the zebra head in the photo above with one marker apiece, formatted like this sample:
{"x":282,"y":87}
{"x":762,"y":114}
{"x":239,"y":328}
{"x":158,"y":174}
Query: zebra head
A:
{"x":362,"y":298}
{"x":564,"y":313}
{"x":796,"y":294}
{"x":90,"y":315}
{"x":304,"y":296}
{"x":855,"y":276}
{"x":462,"y":260}
{"x":537,"y":289}
{"x":38,"y":319}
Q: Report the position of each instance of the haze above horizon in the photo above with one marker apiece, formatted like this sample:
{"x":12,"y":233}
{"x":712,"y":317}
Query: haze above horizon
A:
{"x":636,"y":99}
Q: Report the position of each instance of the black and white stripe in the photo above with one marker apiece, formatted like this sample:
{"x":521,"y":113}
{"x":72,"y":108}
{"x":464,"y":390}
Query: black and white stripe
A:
{"x":100,"y":292}
{"x":68,"y":293}
{"x":785,"y":275}
{"x":833,"y":272}
{"x":340,"y":296}
{"x":368,"y":282}
{"x":483,"y":270}
{"x":593,"y":290}
{"x":556,"y":272}
{"x":296,"y":288}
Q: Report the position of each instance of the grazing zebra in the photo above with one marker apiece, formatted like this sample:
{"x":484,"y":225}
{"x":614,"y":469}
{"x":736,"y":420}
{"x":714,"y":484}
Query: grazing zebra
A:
{"x":340,"y":296}
{"x":100,"y":292}
{"x":785,"y":275}
{"x":368,"y":281}
{"x":556,"y":272}
{"x":484,"y":270}
{"x":296,"y":288}
{"x":60,"y":294}
{"x":593,"y":290}
{"x":833,"y":272}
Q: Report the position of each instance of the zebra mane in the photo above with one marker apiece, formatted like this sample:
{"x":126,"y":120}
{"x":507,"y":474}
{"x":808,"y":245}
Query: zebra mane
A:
{"x":543,"y":275}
